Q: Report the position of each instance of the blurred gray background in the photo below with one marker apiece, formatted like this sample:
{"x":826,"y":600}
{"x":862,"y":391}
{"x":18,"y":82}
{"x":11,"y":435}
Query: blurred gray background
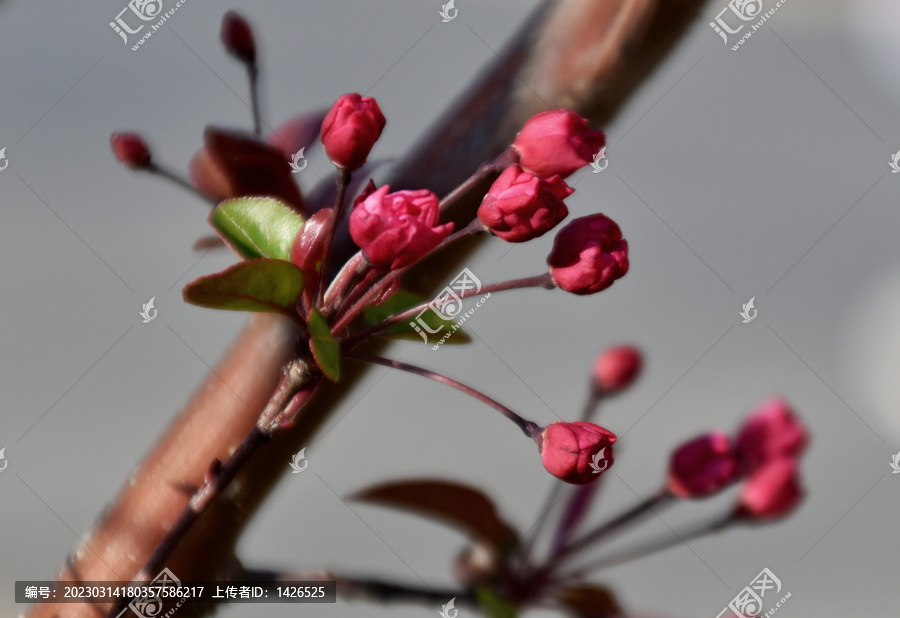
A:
{"x":757,"y":173}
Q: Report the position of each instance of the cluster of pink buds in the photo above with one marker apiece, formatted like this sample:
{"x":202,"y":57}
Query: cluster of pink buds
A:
{"x":291,"y":265}
{"x":287,"y":255}
{"x":764,"y":454}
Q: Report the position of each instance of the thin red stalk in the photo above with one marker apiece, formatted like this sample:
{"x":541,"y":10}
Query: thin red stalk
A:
{"x":647,"y":549}
{"x":164,"y":172}
{"x":539,"y":281}
{"x":343,"y":180}
{"x":253,"y":77}
{"x":629,"y":517}
{"x":486,"y":170}
{"x":354,"y":306}
{"x":348,"y":278}
{"x":591,"y":402}
{"x":529,"y":428}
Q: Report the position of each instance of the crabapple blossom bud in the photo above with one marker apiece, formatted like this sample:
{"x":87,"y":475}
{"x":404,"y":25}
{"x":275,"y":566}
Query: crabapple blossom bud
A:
{"x":772,"y":431}
{"x":520,"y":206}
{"x":237,"y":36}
{"x":702,"y":466}
{"x":350,"y":129}
{"x":588,"y":255}
{"x":576,"y":452}
{"x":396,"y":229}
{"x":130,"y":149}
{"x":772,"y":491}
{"x":617,"y":368}
{"x":557,"y":142}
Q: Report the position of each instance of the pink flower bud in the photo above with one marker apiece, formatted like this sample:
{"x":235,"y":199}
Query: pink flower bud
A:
{"x":576,"y":452}
{"x":557,"y":142}
{"x":771,"y":492}
{"x":350,"y":129}
{"x":702,"y":466}
{"x":237,"y":36}
{"x":617,"y":368}
{"x":520,"y":206}
{"x":130,"y":149}
{"x":588,"y":255}
{"x":396,"y":229}
{"x":773,"y":431}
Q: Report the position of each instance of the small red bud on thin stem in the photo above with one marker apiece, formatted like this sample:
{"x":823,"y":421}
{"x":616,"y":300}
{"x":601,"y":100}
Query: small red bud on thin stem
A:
{"x":130,"y":149}
{"x":237,"y":36}
{"x":530,"y":429}
{"x":652,"y":547}
{"x":540,"y":281}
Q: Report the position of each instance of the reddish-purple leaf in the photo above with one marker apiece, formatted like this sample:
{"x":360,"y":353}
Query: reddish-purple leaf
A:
{"x":589,"y":602}
{"x":456,"y":504}
{"x":233,"y":164}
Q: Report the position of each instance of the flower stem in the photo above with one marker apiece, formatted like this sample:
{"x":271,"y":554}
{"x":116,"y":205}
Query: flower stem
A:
{"x":173,"y":177}
{"x":540,"y":281}
{"x":345,"y":282}
{"x":653,"y":547}
{"x":253,"y":76}
{"x":343,"y":180}
{"x":661,"y":498}
{"x":346,"y":315}
{"x":529,"y":428}
{"x":486,"y":170}
{"x":591,"y":402}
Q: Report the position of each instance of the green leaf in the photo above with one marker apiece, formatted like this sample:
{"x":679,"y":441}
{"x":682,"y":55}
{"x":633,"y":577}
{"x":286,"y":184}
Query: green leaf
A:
{"x":493,"y":604}
{"x":402,"y":300}
{"x":459,"y":505}
{"x":257,"y":227}
{"x":325,"y":349}
{"x":252,"y":285}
